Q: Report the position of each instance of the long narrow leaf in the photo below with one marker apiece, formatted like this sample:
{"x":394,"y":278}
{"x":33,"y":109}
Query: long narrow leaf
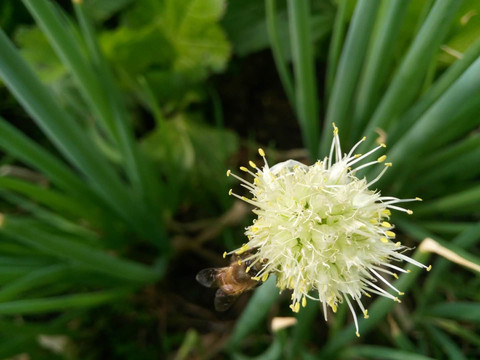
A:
{"x":62,"y":247}
{"x":409,"y":77}
{"x":377,"y":61}
{"x":60,"y":303}
{"x":349,"y":67}
{"x":306,"y":101}
{"x":278,"y":52}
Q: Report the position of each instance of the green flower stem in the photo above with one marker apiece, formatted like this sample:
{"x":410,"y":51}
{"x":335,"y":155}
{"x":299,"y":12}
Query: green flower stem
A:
{"x":304,"y":69}
{"x":377,"y":62}
{"x":409,"y":77}
{"x":349,"y":69}
{"x":278,"y":52}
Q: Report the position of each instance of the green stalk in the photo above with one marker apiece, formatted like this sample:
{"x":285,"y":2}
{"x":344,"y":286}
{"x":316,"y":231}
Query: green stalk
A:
{"x":348,"y":72}
{"x":335,"y":47}
{"x":277,"y":51}
{"x":410,"y":75}
{"x":377,"y":62}
{"x":304,"y":69}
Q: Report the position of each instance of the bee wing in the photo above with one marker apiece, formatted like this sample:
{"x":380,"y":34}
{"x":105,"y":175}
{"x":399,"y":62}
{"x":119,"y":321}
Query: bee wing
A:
{"x":223,"y":301}
{"x":208,"y":277}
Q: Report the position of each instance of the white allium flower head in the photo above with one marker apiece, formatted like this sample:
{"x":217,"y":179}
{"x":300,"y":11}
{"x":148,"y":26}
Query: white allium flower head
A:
{"x":323,"y":231}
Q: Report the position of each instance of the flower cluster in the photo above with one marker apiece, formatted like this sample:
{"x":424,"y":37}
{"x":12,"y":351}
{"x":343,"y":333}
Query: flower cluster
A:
{"x":322,"y":231}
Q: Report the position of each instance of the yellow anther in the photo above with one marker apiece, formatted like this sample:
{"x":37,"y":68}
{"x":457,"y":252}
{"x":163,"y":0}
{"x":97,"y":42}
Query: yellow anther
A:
{"x":335,"y":129}
{"x":228,"y":172}
{"x":224,"y":254}
{"x":297,"y":307}
{"x":390,"y":234}
{"x":401,"y":293}
{"x":364,"y":138}
{"x":395,"y":276}
{"x":373,"y":221}
{"x":244,"y":198}
{"x":365,"y":314}
{"x":247,"y":269}
{"x":357,"y":155}
{"x":304,"y":301}
{"x":429,"y":267}
{"x":384,"y":239}
{"x":256,"y":278}
{"x":409,"y":212}
{"x":239,"y":262}
{"x":397,"y":300}
{"x":356,"y":333}
{"x":334,"y":308}
{"x":368,"y":295}
{"x":261,"y":152}
{"x":386,"y":224}
{"x":383,"y":145}
{"x":409,"y":271}
{"x":230,"y":192}
{"x":256,"y":181}
{"x":388,"y":164}
{"x":252,"y":164}
{"x":398,"y":243}
{"x":243,"y":168}
{"x":242,"y":249}
{"x":386,"y":212}
{"x":382,"y":158}
{"x":265,"y":277}
{"x":418,"y":199}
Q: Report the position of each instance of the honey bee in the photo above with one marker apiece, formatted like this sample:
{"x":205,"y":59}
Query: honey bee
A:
{"x":232,"y":280}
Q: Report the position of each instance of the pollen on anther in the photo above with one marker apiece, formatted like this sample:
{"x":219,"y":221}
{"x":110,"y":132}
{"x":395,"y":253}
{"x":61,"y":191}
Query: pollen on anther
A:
{"x":384,"y":240}
{"x":390,"y":234}
{"x":224,"y":254}
{"x":383,"y":145}
{"x":398,"y":243}
{"x":252,"y":164}
{"x":261,"y":152}
{"x":386,"y":224}
{"x":418,"y":199}
{"x":409,"y":212}
{"x":429,"y":267}
{"x":243,"y":168}
{"x":382,"y":158}
{"x":230,"y":192}
{"x":356,"y":333}
{"x":388,"y":164}
{"x":304,"y":301}
{"x":395,"y":276}
{"x":228,"y":172}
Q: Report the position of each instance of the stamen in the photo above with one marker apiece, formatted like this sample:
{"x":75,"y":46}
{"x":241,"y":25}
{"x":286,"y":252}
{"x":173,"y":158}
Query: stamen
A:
{"x":353,"y":314}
